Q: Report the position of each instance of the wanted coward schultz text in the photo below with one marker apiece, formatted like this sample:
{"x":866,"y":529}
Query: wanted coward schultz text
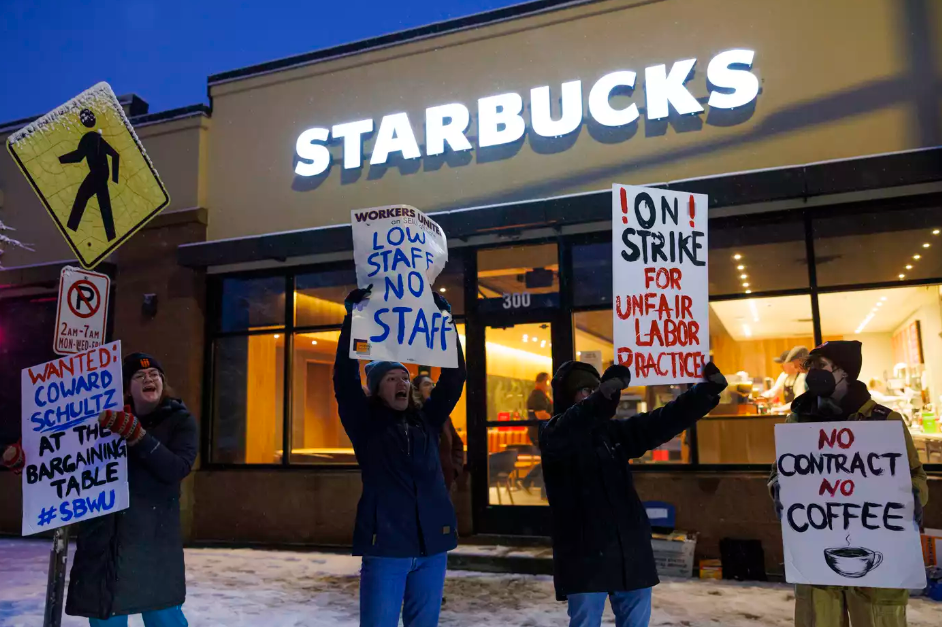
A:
{"x":660,"y":284}
{"x":75,"y":469}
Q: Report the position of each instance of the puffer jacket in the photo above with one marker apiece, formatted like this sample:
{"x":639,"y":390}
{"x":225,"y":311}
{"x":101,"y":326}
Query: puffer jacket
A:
{"x":405,"y":509}
{"x":131,"y":562}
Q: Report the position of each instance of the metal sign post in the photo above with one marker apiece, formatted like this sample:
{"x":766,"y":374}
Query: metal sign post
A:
{"x":55,"y":587}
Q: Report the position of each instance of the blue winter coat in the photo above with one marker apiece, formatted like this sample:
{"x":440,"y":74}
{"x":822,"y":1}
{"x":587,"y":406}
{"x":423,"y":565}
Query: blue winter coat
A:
{"x":405,"y":509}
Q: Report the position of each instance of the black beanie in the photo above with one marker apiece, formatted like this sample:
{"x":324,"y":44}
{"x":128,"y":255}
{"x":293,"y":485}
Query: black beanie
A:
{"x":846,"y":355}
{"x":573,"y":376}
{"x":138,"y":361}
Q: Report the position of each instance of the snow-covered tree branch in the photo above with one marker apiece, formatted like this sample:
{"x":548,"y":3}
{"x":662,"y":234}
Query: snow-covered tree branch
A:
{"x":9,"y":242}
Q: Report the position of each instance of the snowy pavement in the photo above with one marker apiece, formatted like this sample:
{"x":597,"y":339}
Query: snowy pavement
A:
{"x":246,"y":588}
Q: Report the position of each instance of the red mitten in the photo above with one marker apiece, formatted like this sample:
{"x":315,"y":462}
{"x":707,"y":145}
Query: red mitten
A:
{"x":14,"y":458}
{"x":124,"y":423}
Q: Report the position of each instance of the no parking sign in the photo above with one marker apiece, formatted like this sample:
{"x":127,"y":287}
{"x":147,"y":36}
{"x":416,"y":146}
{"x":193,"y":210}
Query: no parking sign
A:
{"x":82,"y":312}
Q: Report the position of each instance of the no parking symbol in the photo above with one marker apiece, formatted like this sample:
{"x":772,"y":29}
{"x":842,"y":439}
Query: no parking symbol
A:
{"x":83,"y":310}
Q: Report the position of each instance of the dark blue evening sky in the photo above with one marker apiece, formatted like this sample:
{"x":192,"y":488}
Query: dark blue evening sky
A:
{"x":163,"y":50}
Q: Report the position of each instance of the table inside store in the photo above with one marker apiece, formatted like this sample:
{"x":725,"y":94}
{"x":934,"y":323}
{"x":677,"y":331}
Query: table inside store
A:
{"x":738,"y":438}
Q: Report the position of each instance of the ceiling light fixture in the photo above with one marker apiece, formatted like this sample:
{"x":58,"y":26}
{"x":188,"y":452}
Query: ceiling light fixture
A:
{"x":745,"y":285}
{"x":926,"y":245}
{"x":525,"y":336}
{"x":755,"y":313}
{"x":277,"y":336}
{"x":935,"y":232}
{"x":864,"y":323}
{"x":737,"y":256}
{"x":314,"y":342}
{"x":909,"y":266}
{"x":743,"y":276}
{"x":902,"y":276}
{"x":748,"y":291}
{"x":917,"y":256}
{"x":746,"y":330}
{"x":442,"y":290}
{"x":740,"y":267}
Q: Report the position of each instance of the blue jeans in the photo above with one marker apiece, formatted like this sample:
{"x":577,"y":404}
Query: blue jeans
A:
{"x":170,"y":617}
{"x":410,"y":585}
{"x":632,"y":609}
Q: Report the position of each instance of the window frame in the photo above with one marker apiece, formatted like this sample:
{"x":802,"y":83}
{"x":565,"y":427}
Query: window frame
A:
{"x":471,"y":318}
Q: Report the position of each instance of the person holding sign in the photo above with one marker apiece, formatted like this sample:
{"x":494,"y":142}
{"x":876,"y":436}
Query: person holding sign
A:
{"x":405,"y":520}
{"x":601,"y":534}
{"x":131,"y":562}
{"x":834,"y":394}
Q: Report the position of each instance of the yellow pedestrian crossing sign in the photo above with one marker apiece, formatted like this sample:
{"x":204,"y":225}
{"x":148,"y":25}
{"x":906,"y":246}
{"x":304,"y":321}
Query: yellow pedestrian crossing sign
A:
{"x":90,"y":171}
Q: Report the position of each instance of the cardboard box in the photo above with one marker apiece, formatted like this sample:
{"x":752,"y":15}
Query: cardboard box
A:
{"x":711,"y":569}
{"x":673,"y":553}
{"x":932,"y":547}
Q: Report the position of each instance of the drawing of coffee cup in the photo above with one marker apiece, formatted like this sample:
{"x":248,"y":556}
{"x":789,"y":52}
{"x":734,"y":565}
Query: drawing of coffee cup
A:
{"x":851,"y":561}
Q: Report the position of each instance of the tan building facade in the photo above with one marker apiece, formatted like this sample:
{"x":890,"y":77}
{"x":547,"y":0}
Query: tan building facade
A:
{"x":820,"y":155}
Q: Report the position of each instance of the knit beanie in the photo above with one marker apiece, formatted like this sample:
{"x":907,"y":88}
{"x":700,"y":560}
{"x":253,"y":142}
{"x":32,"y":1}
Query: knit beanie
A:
{"x":376,"y":370}
{"x":846,"y":355}
{"x":135,"y":362}
{"x":571,"y":377}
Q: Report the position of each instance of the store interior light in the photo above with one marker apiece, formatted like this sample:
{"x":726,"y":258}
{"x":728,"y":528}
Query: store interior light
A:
{"x":883,"y":299}
{"x":755,"y":312}
{"x":748,"y":291}
{"x":277,"y":336}
{"x":543,"y":344}
{"x":442,"y":290}
{"x":917,"y":256}
{"x":740,"y":267}
{"x":746,"y":330}
{"x":864,"y":323}
{"x":743,"y":276}
{"x":525,"y":336}
{"x":745,"y":285}
{"x":909,"y":266}
{"x":926,"y":245}
{"x":902,"y":276}
{"x":879,"y":303}
{"x":935,"y":232}
{"x":737,"y":256}
{"x":578,"y":353}
{"x":314,"y":342}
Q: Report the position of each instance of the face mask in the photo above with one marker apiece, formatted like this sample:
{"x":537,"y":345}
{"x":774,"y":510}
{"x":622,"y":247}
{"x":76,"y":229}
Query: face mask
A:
{"x":820,"y":382}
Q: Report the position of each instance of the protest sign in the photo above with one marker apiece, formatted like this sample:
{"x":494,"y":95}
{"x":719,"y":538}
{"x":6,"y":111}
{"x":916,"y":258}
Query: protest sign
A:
{"x":659,"y":268}
{"x":400,"y":252}
{"x":82,"y":310}
{"x":847,"y":498}
{"x":75,"y":470}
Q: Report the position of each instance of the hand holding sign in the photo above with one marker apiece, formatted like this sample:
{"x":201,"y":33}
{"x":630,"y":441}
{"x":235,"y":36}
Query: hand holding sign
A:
{"x":399,"y":252}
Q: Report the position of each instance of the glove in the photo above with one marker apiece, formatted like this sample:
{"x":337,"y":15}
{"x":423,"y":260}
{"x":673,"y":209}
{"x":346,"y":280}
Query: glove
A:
{"x":917,"y":509}
{"x":123,"y":423}
{"x":355,"y":297}
{"x":440,"y":302}
{"x":14,"y":458}
{"x":615,"y":379}
{"x":776,"y":497}
{"x":714,"y":380}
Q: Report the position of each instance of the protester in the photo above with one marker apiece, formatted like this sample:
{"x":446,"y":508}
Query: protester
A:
{"x":539,"y":407}
{"x":131,"y":562}
{"x":405,"y":521}
{"x":450,"y":445}
{"x":601,"y":534}
{"x":835,"y":394}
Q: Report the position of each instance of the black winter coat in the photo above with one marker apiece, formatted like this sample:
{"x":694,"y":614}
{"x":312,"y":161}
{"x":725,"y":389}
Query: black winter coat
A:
{"x":132,"y":561}
{"x":601,"y":534}
{"x":405,"y":509}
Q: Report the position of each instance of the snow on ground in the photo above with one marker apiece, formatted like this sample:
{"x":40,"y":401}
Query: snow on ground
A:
{"x":247,"y":588}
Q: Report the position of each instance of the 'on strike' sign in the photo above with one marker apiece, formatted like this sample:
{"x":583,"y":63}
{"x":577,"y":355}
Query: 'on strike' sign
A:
{"x":847,"y":517}
{"x":659,"y":268}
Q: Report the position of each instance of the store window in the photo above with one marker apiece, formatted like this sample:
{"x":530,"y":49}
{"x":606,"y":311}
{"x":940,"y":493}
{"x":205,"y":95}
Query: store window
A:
{"x":252,"y":303}
{"x":317,"y":435}
{"x":878,"y":246}
{"x":757,"y":343}
{"x":518,"y":278}
{"x":757,"y":254}
{"x":319,"y":296}
{"x":593,"y":331}
{"x":248,"y":399}
{"x":519,"y":366}
{"x":592,"y":274}
{"x":899,"y":330}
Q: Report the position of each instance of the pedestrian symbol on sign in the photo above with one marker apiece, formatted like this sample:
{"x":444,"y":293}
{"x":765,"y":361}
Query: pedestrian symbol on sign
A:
{"x":95,"y":151}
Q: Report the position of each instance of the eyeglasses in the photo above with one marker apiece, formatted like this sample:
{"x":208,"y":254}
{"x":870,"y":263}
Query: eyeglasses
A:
{"x":143,"y":375}
{"x":587,"y":391}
